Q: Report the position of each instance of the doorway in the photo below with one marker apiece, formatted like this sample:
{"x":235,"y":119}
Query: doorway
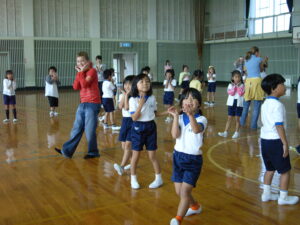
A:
{"x":124,"y":64}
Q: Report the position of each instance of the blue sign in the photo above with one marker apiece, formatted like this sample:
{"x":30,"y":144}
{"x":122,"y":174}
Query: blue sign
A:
{"x":125,"y":45}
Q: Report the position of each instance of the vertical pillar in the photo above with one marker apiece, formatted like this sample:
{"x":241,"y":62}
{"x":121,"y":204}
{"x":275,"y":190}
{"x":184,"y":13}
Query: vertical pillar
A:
{"x":152,"y":44}
{"x":95,"y":28}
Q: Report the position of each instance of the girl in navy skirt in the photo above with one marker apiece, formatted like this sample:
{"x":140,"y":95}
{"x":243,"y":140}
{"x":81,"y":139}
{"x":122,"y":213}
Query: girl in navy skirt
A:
{"x":169,"y":86}
{"x":9,"y":95}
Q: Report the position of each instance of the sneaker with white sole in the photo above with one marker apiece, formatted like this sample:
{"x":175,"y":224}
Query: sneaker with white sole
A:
{"x":134,"y":183}
{"x":101,"y":118}
{"x":193,"y":212}
{"x":119,"y":169}
{"x":269,"y":197}
{"x":55,"y":114}
{"x":156,"y":183}
{"x":106,"y":126}
{"x":127,"y":167}
{"x":288,"y":200}
{"x":51,"y":114}
{"x":223,"y":134}
{"x":6,"y":121}
{"x":174,"y":221}
{"x":211,"y":104}
{"x":206,"y":103}
{"x":235,"y":135}
{"x":15,"y":120}
{"x":114,"y":127}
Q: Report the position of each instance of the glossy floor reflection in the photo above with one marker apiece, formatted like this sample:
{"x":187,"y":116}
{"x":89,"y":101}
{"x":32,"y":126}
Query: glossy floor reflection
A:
{"x":40,"y":187}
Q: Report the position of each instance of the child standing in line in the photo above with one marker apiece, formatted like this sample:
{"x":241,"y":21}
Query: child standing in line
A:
{"x":197,"y":80}
{"x":107,"y":100}
{"x":169,"y":85}
{"x":211,"y":91}
{"x":51,"y":90}
{"x":168,"y":65}
{"x":143,"y":109}
{"x":184,"y":79}
{"x":188,"y":128}
{"x":235,"y":90}
{"x":274,"y":144}
{"x":9,"y":95}
{"x":125,"y":132}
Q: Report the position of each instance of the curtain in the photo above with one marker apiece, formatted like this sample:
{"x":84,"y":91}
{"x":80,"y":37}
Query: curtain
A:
{"x":199,"y":12}
{"x":290,"y":6}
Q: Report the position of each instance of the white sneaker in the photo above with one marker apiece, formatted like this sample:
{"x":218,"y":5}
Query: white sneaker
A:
{"x":269,"y":197}
{"x":235,"y":135}
{"x":114,"y":127}
{"x":119,"y":169}
{"x":192,"y":212}
{"x":174,"y":221}
{"x":223,"y":134}
{"x":55,"y":114}
{"x":156,"y":183}
{"x":211,"y":104}
{"x":106,"y":126}
{"x":168,"y":119}
{"x":101,"y":118}
{"x":127,"y":167}
{"x":6,"y":121}
{"x":288,"y":200}
{"x":51,"y":114}
{"x":134,"y":183}
{"x":206,"y":103}
{"x":15,"y":120}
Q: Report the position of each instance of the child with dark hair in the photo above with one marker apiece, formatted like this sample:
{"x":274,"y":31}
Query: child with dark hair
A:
{"x":274,"y":144}
{"x":188,"y":128}
{"x":9,"y":95}
{"x":146,"y":70}
{"x":197,"y":80}
{"x":169,"y":86}
{"x":51,"y":90}
{"x":235,"y":101}
{"x":125,"y":132}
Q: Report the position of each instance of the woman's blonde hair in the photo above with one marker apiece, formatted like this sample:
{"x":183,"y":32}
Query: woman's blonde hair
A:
{"x":252,"y":51}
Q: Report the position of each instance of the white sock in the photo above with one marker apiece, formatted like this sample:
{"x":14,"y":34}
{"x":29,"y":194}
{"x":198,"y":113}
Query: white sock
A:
{"x":267,"y":189}
{"x":158,"y":176}
{"x":133,"y":178}
{"x":283,"y":194}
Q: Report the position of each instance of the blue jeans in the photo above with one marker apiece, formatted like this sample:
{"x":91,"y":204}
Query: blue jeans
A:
{"x":255,"y":113}
{"x":86,"y":121}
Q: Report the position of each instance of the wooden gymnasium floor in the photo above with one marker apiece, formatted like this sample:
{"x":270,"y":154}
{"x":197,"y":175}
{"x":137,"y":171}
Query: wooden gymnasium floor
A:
{"x":39,"y":187}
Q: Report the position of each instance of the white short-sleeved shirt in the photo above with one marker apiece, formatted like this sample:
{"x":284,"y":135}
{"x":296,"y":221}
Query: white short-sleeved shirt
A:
{"x":189,"y":142}
{"x":170,"y":86}
{"x":9,"y":87}
{"x":298,"y":101}
{"x":108,"y":89}
{"x":272,"y":114}
{"x":211,"y":80}
{"x":148,"y":109}
{"x":125,"y":113}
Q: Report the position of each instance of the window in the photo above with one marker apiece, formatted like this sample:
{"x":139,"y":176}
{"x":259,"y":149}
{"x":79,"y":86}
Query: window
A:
{"x":267,"y":16}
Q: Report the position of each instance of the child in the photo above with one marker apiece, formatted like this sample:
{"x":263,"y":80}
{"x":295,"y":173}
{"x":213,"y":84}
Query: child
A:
{"x":274,"y":145}
{"x":196,"y":82}
{"x":169,"y":85}
{"x":51,"y":90}
{"x":211,"y":78}
{"x":9,"y":95}
{"x":100,"y":67}
{"x":87,"y":112}
{"x":184,"y":79}
{"x":188,"y":129}
{"x":125,"y":132}
{"x":142,"y":107}
{"x":235,"y":101}
{"x":146,"y":70}
{"x":168,"y":65}
{"x":107,"y":100}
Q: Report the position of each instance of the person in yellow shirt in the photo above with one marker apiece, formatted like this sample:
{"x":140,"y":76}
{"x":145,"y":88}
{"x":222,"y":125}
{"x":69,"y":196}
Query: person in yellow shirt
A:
{"x":197,"y":80}
{"x":184,"y":79}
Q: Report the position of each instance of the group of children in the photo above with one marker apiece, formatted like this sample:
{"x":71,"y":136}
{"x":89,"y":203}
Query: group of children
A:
{"x":138,"y":129}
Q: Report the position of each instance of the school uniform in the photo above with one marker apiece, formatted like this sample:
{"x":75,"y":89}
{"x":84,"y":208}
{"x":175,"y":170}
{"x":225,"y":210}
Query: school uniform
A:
{"x":125,"y":131}
{"x":9,"y":94}
{"x":187,"y":157}
{"x":51,"y":91}
{"x":212,"y":85}
{"x":143,"y":130}
{"x":184,"y":79}
{"x":235,"y":99}
{"x":108,"y":95}
{"x":169,"y":92}
{"x":273,"y":113}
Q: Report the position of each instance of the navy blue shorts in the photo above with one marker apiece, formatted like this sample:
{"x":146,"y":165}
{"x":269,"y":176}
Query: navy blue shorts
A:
{"x":168,"y":98}
{"x":125,"y":132}
{"x":235,"y":110}
{"x":212,"y":87}
{"x":108,"y":104}
{"x":186,"y":168}
{"x":9,"y":100}
{"x":185,"y":84}
{"x":144,"y":133}
{"x":298,"y":110}
{"x":53,"y":101}
{"x":272,"y":151}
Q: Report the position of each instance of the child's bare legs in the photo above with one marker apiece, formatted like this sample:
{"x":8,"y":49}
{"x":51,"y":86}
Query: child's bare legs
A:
{"x":134,"y":161}
{"x":268,"y":177}
{"x":184,"y":191}
{"x":284,"y":181}
{"x":127,"y":152}
{"x":112,"y":118}
{"x":158,"y":179}
{"x":237,"y":125}
{"x":213,"y":96}
{"x":228,"y":123}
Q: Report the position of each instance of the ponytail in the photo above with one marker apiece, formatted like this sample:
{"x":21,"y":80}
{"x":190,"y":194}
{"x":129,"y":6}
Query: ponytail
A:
{"x":252,"y":51}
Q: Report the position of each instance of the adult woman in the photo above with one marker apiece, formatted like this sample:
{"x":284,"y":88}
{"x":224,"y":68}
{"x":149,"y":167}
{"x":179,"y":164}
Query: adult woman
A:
{"x":254,"y":64}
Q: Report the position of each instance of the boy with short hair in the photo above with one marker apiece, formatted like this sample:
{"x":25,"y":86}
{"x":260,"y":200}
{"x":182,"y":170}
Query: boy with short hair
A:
{"x":51,"y":90}
{"x":274,"y":145}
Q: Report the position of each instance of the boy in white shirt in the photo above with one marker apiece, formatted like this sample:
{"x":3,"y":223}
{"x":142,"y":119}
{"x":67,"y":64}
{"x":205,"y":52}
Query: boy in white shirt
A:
{"x":9,"y":95}
{"x":51,"y":90}
{"x":274,"y":145}
{"x":107,"y":100}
